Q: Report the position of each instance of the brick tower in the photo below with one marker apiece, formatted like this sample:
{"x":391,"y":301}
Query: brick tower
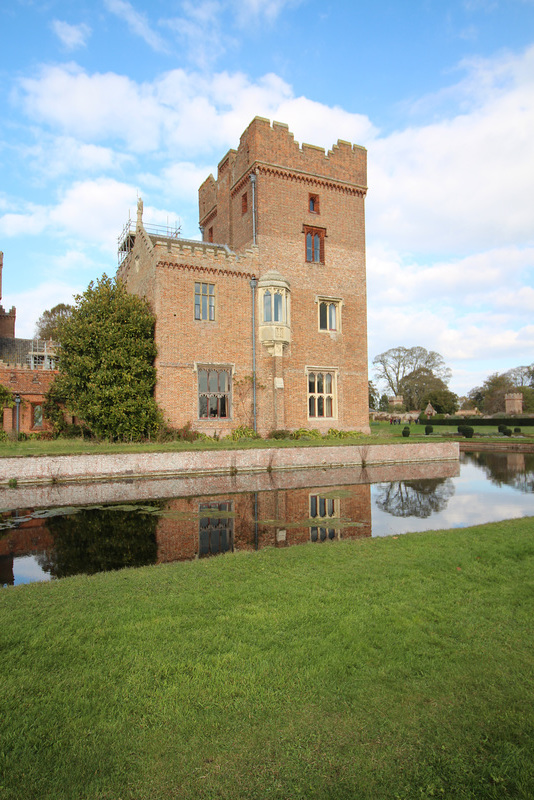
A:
{"x":276,"y":290}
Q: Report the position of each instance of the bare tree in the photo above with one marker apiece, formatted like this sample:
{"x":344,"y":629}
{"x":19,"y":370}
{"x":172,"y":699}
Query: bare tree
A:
{"x":398,"y":362}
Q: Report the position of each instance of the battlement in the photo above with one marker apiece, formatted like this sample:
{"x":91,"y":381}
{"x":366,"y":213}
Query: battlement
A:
{"x":274,"y":144}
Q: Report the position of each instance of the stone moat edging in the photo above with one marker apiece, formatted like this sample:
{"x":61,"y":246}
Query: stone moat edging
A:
{"x":60,"y":469}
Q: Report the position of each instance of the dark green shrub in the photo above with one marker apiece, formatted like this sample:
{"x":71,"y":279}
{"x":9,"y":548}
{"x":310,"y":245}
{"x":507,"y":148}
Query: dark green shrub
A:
{"x":501,"y":428}
{"x":507,"y":431}
{"x":517,"y":430}
{"x":468,"y":431}
{"x":282,"y":433}
{"x":406,"y":432}
{"x":461,"y":428}
{"x":429,"y":429}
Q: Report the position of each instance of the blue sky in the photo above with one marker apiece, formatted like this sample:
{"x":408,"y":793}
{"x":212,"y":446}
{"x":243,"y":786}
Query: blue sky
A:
{"x":103,"y":100}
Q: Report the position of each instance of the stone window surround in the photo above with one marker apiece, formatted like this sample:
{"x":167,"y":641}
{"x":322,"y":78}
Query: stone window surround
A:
{"x":334,"y":372}
{"x":324,"y":298}
{"x":230,"y":369}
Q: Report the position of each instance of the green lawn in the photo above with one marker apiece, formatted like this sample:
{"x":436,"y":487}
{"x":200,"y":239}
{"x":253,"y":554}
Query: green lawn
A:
{"x":396,"y":668}
{"x":381,"y":433}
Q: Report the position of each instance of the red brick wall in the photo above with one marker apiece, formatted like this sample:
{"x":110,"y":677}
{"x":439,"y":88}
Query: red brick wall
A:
{"x":32,"y":386}
{"x":165,"y":272}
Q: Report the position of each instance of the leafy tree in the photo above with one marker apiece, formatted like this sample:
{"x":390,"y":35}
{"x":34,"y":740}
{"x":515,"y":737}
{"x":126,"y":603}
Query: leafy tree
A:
{"x":489,"y":397}
{"x":398,"y":362}
{"x":384,"y":403}
{"x":417,"y":386}
{"x":6,"y":397}
{"x":47,"y":326}
{"x":373,"y":395}
{"x":443,"y":401}
{"x":107,"y":374}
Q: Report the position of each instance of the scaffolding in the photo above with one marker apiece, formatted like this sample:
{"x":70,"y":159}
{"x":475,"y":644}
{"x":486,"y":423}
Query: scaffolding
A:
{"x":126,"y":239}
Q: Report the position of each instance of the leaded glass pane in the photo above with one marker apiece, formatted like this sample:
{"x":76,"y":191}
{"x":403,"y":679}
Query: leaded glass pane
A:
{"x":313,"y":505}
{"x":213,"y":383}
{"x":311,"y":406}
{"x":328,"y":383}
{"x":311,"y":382}
{"x":214,"y":406}
{"x":317,"y":247}
{"x":320,"y":382}
{"x":320,"y":406}
{"x":322,"y":507}
{"x":267,"y":308}
{"x":202,"y":380}
{"x":202,"y":406}
{"x":328,"y":407}
{"x":278,"y":307}
{"x":309,"y":247}
{"x":322,"y":317}
{"x":332,"y":317}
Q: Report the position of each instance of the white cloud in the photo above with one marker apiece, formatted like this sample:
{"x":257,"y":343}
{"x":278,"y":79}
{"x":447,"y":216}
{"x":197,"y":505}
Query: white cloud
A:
{"x":91,"y":211}
{"x":54,"y":156}
{"x":463,"y":182}
{"x":179,"y":110}
{"x":31,"y":303}
{"x":71,"y":36}
{"x":269,"y":10}
{"x":137,"y":23}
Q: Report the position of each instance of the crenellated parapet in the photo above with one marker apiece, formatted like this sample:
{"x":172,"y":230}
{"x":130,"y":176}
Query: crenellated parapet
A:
{"x":275,"y":145}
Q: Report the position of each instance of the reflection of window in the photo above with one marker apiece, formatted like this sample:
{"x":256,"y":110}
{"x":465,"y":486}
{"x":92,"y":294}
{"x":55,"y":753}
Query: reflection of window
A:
{"x":321,"y":394}
{"x":313,"y":203}
{"x":216,"y":528}
{"x":323,"y":509}
{"x":329,"y":315}
{"x":275,"y":305}
{"x":214,"y":392}
{"x":37,"y":412}
{"x":314,"y":244}
{"x":204,"y":301}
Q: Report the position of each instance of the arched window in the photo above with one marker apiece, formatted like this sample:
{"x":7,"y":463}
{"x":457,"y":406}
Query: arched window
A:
{"x":329,"y":314}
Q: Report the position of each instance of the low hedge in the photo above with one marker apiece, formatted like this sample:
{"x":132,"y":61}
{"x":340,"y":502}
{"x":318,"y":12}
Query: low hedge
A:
{"x":505,"y":421}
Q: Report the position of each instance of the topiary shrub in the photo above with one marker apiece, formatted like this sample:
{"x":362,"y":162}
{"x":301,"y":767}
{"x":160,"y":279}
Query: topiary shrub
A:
{"x":461,"y":428}
{"x":406,"y":432}
{"x":507,"y":431}
{"x":428,"y":429}
{"x":468,"y":432}
{"x":517,"y":430}
{"x":501,"y":428}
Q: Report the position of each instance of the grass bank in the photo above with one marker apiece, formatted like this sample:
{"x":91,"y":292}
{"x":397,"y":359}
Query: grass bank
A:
{"x":395,"y":668}
{"x":381,"y":433}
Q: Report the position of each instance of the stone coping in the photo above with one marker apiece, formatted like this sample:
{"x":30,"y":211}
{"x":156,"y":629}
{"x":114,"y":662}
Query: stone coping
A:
{"x":60,"y":469}
{"x":77,"y":493}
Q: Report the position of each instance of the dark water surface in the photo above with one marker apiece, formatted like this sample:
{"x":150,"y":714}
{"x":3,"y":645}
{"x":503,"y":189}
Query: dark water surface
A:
{"x":63,"y":531}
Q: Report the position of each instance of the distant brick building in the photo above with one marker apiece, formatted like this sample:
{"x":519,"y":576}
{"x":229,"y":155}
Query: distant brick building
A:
{"x":27,"y":369}
{"x":276,"y":289}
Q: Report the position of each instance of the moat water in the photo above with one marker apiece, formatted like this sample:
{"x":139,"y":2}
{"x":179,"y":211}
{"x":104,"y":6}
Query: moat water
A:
{"x":68,"y":530}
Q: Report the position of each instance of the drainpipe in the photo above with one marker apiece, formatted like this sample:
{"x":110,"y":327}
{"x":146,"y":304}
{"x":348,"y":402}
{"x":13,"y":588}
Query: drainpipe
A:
{"x":253,"y":284}
{"x":253,"y":182}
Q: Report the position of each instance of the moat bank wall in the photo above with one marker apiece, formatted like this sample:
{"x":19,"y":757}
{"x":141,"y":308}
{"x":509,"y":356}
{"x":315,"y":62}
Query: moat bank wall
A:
{"x":59,"y":469}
